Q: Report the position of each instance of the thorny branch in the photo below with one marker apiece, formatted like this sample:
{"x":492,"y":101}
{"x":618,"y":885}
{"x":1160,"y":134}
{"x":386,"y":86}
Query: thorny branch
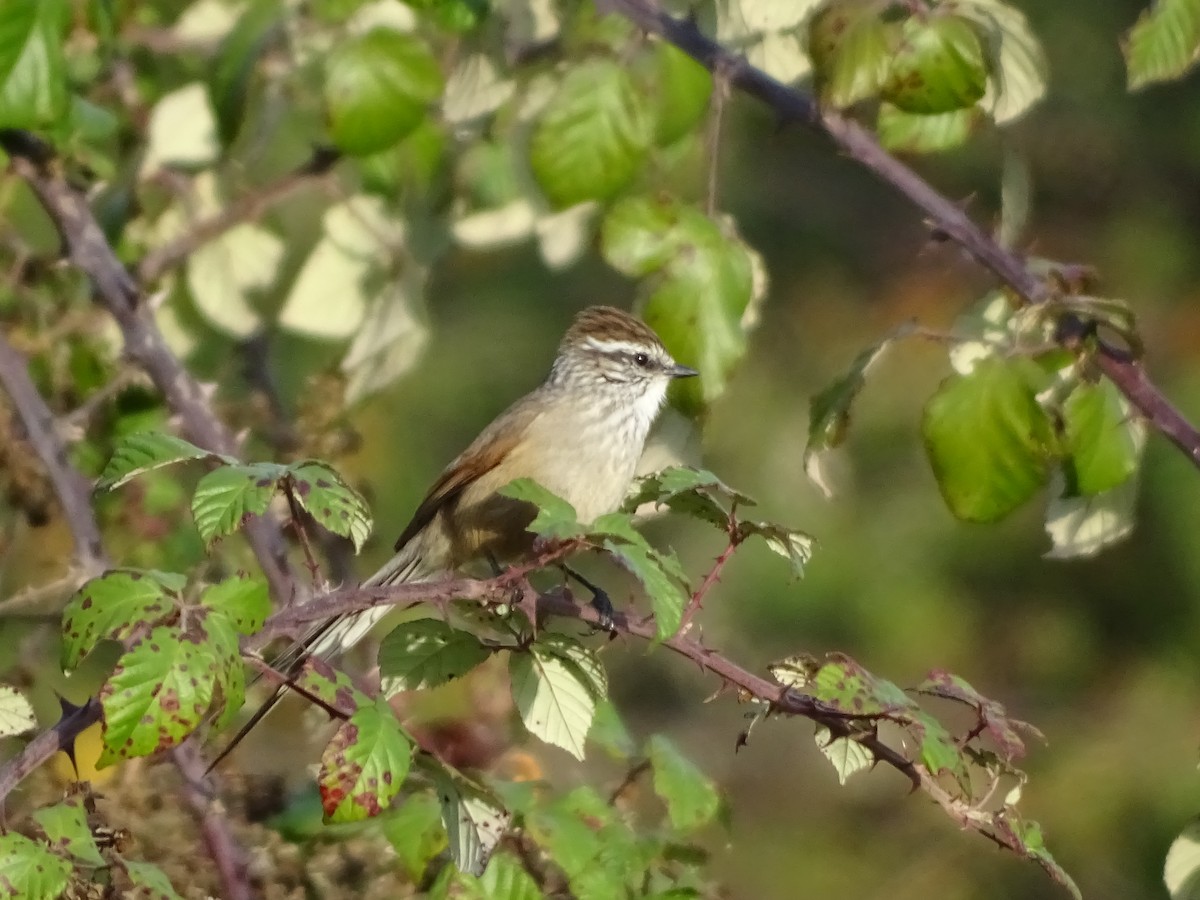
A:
{"x":792,"y":105}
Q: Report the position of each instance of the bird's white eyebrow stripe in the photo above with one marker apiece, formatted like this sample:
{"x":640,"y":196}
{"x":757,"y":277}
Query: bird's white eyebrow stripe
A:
{"x":604,"y":346}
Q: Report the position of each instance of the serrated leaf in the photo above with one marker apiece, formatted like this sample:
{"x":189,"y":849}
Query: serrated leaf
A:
{"x":555,"y":699}
{"x":29,"y":871}
{"x":1181,"y":872}
{"x":851,"y":48}
{"x":146,"y":451}
{"x":378,"y":88}
{"x":425,"y":653}
{"x":1016,"y":60}
{"x":592,"y":137}
{"x":1003,"y":729}
{"x":226,"y":668}
{"x":331,"y":686}
{"x":694,"y":492}
{"x":16,"y":714}
{"x":335,"y":505}
{"x":227,"y":497}
{"x":938,"y":66}
{"x":33,"y":71}
{"x":1104,"y":438}
{"x":585,"y":661}
{"x":158,"y":694}
{"x":149,"y":881}
{"x":848,"y":757}
{"x":667,"y":597}
{"x":364,"y":766}
{"x":939,"y":752}
{"x":112,"y":606}
{"x":245,"y":601}
{"x":792,"y":544}
{"x":66,"y":828}
{"x":988,"y":440}
{"x":475,"y":821}
{"x":829,"y":410}
{"x":1080,"y":527}
{"x":1164,"y":43}
{"x":556,"y":518}
{"x":690,"y":795}
{"x":903,"y":132}
{"x":844,"y":684}
{"x":233,"y":68}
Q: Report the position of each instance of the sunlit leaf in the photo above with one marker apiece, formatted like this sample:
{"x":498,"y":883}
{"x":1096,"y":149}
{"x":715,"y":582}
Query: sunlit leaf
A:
{"x":851,"y":49}
{"x":66,"y":826}
{"x":475,"y":821}
{"x":1004,"y":730}
{"x":1082,"y":526}
{"x":904,"y":132}
{"x":989,"y":441}
{"x":1104,"y":438}
{"x":336,"y":506}
{"x":425,"y":653}
{"x":245,"y":601}
{"x":555,"y":700}
{"x":847,"y":756}
{"x":145,"y":451}
{"x":224,"y":273}
{"x":938,"y":66}
{"x":113,"y":606}
{"x":227,"y":497}
{"x":1164,"y":43}
{"x":593,"y":136}
{"x":33,"y":71}
{"x":16,"y":715}
{"x":1181,"y":872}
{"x":1015,"y":58}
{"x":30,"y":871}
{"x":364,"y":765}
{"x":414,"y":829}
{"x":181,"y":131}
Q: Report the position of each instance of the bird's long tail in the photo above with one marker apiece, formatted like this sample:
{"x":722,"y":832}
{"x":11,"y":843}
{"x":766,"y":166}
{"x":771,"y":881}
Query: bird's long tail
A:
{"x":331,"y":638}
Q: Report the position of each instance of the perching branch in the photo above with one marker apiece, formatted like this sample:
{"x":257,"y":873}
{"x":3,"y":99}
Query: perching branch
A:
{"x":792,"y":105}
{"x":85,"y":245}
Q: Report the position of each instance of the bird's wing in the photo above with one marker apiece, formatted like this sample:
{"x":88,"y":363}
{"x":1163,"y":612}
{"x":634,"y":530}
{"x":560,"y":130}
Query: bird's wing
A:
{"x":485,"y":453}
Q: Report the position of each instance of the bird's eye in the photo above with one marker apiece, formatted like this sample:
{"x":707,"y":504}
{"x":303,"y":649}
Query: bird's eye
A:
{"x":642,"y":359}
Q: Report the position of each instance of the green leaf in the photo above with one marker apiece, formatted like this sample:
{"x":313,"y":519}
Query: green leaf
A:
{"x":903,"y":132}
{"x":691,"y":797}
{"x":829,"y":411}
{"x":554,"y":697}
{"x":475,"y":820}
{"x":585,"y":661}
{"x":30,"y":871}
{"x":233,"y":68}
{"x":844,"y":684}
{"x":146,"y":451}
{"x":112,"y":606}
{"x":667,"y":597}
{"x":937,"y":67}
{"x":609,"y":731}
{"x":364,"y":766}
{"x":33,"y":74}
{"x":1104,"y":438}
{"x":414,"y":829}
{"x":848,"y":757}
{"x":1164,"y":43}
{"x":16,"y":715}
{"x":940,"y":753}
{"x":378,"y":89}
{"x":245,"y":601}
{"x":331,"y":686}
{"x":989,"y":441}
{"x":592,"y":137}
{"x":792,"y":544}
{"x":693,"y":492}
{"x":425,"y":653}
{"x":226,"y":668}
{"x":452,"y":15}
{"x":149,"y":881}
{"x":158,"y":694}
{"x":66,"y":828}
{"x":227,"y":497}
{"x":705,"y":282}
{"x":850,"y":46}
{"x":1015,"y":58}
{"x":1003,"y":730}
{"x":328,"y":499}
{"x":681,"y":91}
{"x":1080,"y":527}
{"x":506,"y":879}
{"x":556,"y":517}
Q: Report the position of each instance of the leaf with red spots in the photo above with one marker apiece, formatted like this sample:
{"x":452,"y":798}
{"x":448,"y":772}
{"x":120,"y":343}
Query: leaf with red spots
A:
{"x":993,"y":718}
{"x":245,"y":601}
{"x":66,"y":828}
{"x":226,"y":668}
{"x":331,"y":686}
{"x":158,"y":694}
{"x":326,"y":497}
{"x":226,"y":497}
{"x":364,"y":765}
{"x":112,"y":606}
{"x":28,"y":869}
{"x":148,"y":881}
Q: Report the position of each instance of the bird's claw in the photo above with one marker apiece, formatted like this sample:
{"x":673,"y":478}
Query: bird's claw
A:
{"x":604,"y":612}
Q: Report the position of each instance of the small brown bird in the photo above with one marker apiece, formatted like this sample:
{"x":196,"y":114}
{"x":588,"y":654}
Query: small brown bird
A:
{"x":579,"y":434}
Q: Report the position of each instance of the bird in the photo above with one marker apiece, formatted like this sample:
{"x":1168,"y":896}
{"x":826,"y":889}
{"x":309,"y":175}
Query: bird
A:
{"x":579,"y":434}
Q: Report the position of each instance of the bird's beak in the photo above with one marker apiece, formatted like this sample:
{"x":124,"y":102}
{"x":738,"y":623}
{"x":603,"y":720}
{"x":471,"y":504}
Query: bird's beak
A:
{"x":678,"y":371}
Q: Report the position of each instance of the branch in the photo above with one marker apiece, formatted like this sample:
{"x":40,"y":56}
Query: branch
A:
{"x":231,"y":861}
{"x":73,"y":490}
{"x":246,"y":208}
{"x":61,"y":737}
{"x":86,"y":246}
{"x":792,"y":105}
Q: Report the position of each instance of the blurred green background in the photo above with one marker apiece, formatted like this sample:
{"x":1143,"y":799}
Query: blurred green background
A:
{"x":1099,"y":654}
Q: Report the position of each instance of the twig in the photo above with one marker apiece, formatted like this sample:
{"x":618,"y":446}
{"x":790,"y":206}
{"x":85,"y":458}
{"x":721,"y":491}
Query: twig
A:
{"x":72,"y":489}
{"x":792,"y":105}
{"x":86,"y":246}
{"x":230,"y":859}
{"x":631,"y":776}
{"x":246,"y":208}
{"x":713,"y":576}
{"x":314,"y":568}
